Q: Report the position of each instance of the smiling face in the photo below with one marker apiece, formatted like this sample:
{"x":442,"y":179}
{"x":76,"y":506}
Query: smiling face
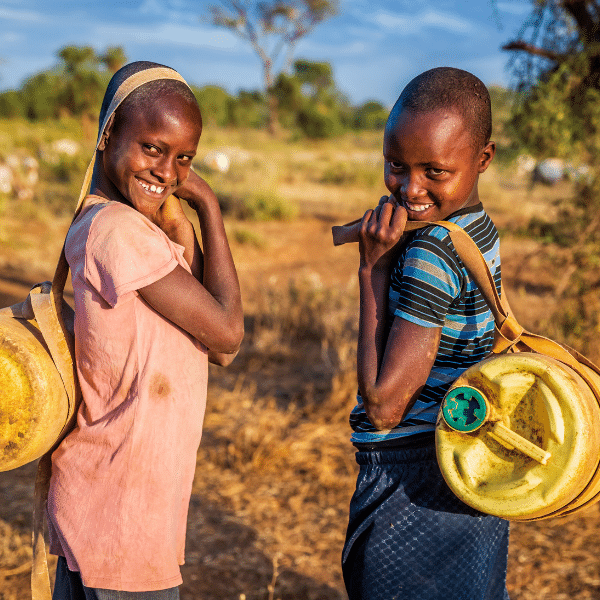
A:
{"x":147,"y":155}
{"x":431,"y":165}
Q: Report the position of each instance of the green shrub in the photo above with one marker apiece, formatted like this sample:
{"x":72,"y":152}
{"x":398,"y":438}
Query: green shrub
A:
{"x":266,"y":206}
{"x":316,"y":124}
{"x":370,"y":115}
{"x":345,"y":173}
{"x":248,"y":237}
{"x":258,"y":206}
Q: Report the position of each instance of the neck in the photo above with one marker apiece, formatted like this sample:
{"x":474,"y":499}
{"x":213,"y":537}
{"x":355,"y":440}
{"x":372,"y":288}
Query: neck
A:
{"x":101,"y":185}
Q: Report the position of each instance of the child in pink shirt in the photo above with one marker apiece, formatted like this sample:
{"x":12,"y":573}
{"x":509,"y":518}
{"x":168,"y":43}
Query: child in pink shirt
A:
{"x":151,"y":309}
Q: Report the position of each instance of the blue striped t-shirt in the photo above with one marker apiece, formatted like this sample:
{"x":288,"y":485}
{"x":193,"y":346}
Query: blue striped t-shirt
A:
{"x":430,"y":286}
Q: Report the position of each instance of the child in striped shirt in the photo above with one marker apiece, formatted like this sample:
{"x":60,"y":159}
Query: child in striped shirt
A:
{"x":423,"y":321}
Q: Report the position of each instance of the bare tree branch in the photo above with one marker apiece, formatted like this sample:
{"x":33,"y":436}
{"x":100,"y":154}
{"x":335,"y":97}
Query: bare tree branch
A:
{"x":536,"y":50}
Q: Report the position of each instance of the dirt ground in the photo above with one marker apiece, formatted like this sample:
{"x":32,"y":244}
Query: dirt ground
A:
{"x":237,"y":553}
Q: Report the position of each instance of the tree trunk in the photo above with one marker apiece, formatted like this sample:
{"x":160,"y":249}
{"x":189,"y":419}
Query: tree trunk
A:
{"x":273,"y":123}
{"x":272,"y":101}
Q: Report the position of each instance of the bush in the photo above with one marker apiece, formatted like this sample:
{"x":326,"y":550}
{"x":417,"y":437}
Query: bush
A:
{"x":258,"y":206}
{"x":214,"y":104}
{"x":11,"y":105}
{"x":316,"y":125}
{"x":249,"y":109}
{"x":345,"y":173}
{"x":266,"y":206}
{"x":370,"y":115}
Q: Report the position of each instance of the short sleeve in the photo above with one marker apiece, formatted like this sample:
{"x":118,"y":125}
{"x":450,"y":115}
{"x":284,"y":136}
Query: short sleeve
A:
{"x":427,"y":279}
{"x":125,"y":252}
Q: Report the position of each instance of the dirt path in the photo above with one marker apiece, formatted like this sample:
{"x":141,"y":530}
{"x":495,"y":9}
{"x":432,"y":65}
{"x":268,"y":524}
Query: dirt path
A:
{"x":225,"y":551}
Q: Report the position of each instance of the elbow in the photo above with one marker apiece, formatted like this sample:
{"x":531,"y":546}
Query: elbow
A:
{"x":236,"y":335}
{"x":228,"y":349}
{"x":382,"y":413}
{"x":221,"y":359}
{"x":231,"y":339}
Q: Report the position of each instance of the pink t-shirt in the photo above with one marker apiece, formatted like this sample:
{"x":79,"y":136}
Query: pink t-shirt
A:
{"x":122,"y":479}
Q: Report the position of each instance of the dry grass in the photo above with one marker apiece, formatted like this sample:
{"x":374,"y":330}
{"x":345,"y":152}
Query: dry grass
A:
{"x":275,"y":468}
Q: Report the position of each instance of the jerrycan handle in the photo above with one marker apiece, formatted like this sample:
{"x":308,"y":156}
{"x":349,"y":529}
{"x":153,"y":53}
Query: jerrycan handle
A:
{"x":508,"y":437}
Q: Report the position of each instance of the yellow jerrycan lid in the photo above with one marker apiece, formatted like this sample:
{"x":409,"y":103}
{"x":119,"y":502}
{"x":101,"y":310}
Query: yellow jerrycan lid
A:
{"x":34,"y":406}
{"x":517,"y":436}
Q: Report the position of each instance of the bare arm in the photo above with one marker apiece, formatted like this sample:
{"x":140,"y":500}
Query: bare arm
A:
{"x":391,"y":372}
{"x":207,"y":304}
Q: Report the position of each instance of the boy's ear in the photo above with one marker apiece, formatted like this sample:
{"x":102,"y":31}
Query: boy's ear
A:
{"x":106,"y":133}
{"x":486,"y":156}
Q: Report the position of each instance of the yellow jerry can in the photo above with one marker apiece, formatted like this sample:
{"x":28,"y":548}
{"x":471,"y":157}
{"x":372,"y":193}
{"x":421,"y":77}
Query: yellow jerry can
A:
{"x":518,"y":437}
{"x":591,"y":493}
{"x":34,"y":406}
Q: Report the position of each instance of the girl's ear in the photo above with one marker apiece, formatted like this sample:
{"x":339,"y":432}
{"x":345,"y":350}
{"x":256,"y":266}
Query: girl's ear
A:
{"x":106,"y":133}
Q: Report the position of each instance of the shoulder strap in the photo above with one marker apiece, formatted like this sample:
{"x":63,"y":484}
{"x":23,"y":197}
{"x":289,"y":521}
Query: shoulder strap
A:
{"x":50,"y":312}
{"x":509,"y":335}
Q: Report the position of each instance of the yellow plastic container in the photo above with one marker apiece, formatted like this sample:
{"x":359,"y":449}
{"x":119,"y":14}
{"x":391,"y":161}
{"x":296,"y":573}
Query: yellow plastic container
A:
{"x":34,"y":406}
{"x":518,"y":437}
{"x":591,"y":493}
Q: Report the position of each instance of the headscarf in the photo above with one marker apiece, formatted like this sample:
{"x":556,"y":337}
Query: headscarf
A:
{"x":123,"y":82}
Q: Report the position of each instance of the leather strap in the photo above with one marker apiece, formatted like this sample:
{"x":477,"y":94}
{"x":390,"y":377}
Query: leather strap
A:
{"x":40,"y":579}
{"x":509,"y":336}
{"x":60,"y":343}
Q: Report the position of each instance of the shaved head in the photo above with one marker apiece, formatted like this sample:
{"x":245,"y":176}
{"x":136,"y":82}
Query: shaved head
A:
{"x":455,"y":90}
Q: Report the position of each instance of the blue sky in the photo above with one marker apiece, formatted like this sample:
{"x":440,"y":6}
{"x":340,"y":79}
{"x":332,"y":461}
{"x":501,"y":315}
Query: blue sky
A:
{"x":375,"y":47}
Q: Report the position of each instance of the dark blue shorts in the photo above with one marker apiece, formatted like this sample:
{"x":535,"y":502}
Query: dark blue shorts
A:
{"x":68,"y":586}
{"x":410,"y":538}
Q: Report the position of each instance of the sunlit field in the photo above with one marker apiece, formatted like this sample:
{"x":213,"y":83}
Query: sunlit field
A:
{"x":275,"y":468}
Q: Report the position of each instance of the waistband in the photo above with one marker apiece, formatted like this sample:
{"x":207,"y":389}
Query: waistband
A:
{"x":418,"y":440}
{"x":397,"y":456}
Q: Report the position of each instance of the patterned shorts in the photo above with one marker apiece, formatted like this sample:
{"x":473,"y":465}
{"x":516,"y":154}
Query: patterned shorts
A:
{"x":410,"y":538}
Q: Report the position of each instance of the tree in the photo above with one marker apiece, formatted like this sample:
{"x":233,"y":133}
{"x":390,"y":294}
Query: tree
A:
{"x":310,"y":101}
{"x":75,"y":86}
{"x":83,"y":86}
{"x":113,"y":58}
{"x":557,"y":68}
{"x":273,"y":29}
{"x":555,"y":33}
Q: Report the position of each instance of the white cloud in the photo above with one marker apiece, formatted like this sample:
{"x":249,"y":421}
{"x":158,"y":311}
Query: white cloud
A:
{"x":29,"y":16}
{"x":10,"y":37}
{"x":170,"y":33}
{"x":415,"y":24}
{"x":514,"y":8}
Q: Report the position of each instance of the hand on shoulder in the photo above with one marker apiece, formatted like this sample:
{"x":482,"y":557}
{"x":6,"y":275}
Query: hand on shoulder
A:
{"x":197,"y":193}
{"x":380,"y":231}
